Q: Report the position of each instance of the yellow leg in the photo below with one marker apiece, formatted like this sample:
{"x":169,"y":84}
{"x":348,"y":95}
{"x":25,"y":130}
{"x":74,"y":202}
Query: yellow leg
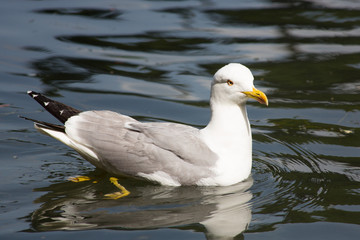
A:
{"x":116,"y":195}
{"x":79,"y":179}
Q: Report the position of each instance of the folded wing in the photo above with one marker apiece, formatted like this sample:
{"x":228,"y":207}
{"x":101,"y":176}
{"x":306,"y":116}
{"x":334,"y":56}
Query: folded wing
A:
{"x":156,"y":151}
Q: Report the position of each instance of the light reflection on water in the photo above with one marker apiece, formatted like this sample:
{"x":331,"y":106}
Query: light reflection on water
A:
{"x":303,"y":54}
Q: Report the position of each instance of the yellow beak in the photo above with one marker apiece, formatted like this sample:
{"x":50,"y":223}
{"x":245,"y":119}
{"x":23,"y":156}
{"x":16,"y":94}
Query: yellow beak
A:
{"x":258,"y":96}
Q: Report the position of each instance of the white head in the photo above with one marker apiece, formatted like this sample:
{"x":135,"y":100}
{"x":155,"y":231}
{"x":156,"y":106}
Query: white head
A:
{"x":233,"y":84}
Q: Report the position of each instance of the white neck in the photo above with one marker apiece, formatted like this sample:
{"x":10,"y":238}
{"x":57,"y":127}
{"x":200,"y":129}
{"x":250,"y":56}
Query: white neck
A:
{"x":229,"y":118}
{"x":229,"y":135}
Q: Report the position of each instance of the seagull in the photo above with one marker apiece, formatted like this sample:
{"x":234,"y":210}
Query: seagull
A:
{"x":162,"y":152}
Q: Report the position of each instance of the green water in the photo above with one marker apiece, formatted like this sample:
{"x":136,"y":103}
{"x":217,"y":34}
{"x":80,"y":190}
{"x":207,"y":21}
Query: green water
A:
{"x":153,"y":60}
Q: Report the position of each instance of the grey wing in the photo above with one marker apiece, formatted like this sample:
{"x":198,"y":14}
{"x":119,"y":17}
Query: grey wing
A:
{"x":126,"y":146}
{"x":182,"y":140}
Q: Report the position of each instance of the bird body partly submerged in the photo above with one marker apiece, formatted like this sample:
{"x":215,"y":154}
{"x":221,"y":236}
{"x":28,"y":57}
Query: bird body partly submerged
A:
{"x":167,"y":153}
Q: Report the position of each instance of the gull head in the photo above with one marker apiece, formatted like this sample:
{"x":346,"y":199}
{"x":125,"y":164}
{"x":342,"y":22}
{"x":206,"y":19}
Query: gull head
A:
{"x":233,"y":84}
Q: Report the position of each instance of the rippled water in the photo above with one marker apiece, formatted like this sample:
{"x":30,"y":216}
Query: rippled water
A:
{"x":154,"y":60}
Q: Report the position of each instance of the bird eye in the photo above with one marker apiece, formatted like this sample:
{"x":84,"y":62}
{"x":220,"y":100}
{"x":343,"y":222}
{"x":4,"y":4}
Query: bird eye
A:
{"x":229,"y":82}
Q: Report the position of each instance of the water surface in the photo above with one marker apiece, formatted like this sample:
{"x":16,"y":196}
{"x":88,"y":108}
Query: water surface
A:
{"x":153,"y":60}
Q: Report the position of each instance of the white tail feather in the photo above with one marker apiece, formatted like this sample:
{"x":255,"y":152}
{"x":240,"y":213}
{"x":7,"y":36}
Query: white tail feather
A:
{"x":87,"y":153}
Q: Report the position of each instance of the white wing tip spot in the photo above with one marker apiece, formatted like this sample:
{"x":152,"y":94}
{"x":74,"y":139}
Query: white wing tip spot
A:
{"x":33,"y":95}
{"x":61,"y":112}
{"x":46,"y":103}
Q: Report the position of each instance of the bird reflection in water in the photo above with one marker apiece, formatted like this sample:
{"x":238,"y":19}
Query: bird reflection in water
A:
{"x":224,"y":212}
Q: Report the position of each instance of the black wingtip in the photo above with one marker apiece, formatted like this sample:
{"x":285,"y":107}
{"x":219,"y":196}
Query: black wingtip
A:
{"x":59,"y":110}
{"x":42,"y":124}
{"x":32,"y":94}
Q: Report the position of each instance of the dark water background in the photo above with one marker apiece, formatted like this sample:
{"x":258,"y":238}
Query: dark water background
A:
{"x":154,"y":60}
